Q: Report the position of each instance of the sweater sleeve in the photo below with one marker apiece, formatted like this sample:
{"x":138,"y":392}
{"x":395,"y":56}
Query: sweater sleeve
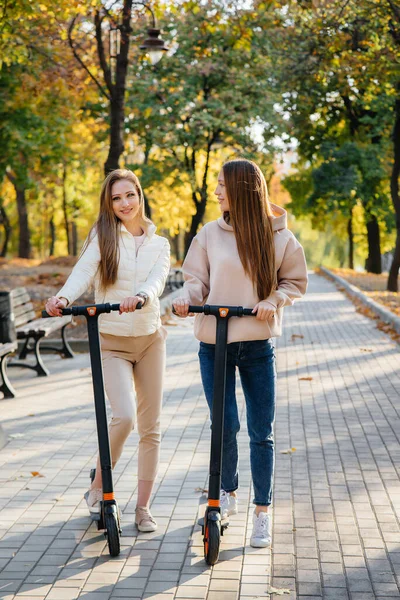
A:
{"x":292,"y":277}
{"x":196,"y":273}
{"x":156,"y":280}
{"x":83,"y":273}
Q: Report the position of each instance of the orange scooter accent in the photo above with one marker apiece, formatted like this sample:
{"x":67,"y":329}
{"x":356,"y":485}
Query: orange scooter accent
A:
{"x":92,"y":310}
{"x":213,"y":503}
{"x":223,"y":312}
{"x":109,"y":496}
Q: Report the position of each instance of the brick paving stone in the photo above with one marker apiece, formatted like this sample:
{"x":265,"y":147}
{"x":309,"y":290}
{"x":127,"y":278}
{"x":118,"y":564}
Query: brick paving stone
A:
{"x":336,"y":500}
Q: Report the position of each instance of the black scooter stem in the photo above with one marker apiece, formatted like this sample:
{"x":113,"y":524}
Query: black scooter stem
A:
{"x":222,"y":314}
{"x":92,"y":313}
{"x":218,"y":410}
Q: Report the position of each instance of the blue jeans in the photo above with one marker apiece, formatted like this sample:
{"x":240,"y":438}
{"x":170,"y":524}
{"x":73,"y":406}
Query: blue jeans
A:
{"x":256,"y":363}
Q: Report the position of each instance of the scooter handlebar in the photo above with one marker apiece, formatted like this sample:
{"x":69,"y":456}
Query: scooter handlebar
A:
{"x":90,"y":310}
{"x":208,"y":309}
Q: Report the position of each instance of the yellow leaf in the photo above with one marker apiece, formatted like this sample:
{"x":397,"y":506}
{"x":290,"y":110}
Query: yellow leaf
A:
{"x":288,"y":451}
{"x":36,"y":474}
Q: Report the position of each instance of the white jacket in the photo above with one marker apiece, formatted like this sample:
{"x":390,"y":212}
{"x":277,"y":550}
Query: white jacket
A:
{"x":147,"y":272}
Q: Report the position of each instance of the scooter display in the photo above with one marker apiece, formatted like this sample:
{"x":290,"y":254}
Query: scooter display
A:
{"x":213,"y":526}
{"x":109,"y":517}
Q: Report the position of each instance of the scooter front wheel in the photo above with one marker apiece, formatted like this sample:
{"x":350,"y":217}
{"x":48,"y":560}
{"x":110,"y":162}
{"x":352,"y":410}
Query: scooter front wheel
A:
{"x":212,"y":540}
{"x":112,"y":533}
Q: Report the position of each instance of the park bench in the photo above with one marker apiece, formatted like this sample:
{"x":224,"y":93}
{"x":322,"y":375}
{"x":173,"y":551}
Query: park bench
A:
{"x":33,"y":331}
{"x":174,"y":280}
{"x":5,"y":385}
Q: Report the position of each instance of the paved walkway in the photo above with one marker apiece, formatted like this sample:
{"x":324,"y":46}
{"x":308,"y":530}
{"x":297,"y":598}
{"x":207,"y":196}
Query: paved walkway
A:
{"x":337,"y":498}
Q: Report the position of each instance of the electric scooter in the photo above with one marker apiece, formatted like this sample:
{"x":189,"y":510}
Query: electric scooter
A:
{"x":109,"y":517}
{"x":213,"y":526}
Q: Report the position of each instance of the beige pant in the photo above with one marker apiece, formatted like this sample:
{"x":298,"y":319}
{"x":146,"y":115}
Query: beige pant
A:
{"x":140,"y":360}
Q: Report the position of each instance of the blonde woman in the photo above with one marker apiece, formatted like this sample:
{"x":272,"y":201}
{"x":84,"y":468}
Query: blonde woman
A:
{"x":129,"y":264}
{"x":246,"y":258}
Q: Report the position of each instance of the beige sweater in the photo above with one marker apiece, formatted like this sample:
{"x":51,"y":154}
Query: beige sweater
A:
{"x":214,"y":274}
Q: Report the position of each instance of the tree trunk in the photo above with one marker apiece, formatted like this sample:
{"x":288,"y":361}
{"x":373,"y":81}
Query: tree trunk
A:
{"x":176,"y":245}
{"x":373,"y":264}
{"x":392,"y":284}
{"x":24,"y":245}
{"x":117,"y":91}
{"x":197,"y":218}
{"x":200,"y":203}
{"x":74,"y":236}
{"x":116,"y":144}
{"x":52,"y":236}
{"x":24,"y":248}
{"x":65,"y":208}
{"x":351,"y":240}
{"x":147,"y":207}
{"x":5,"y":221}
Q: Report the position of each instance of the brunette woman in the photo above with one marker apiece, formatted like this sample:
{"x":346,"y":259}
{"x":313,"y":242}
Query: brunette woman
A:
{"x":248,"y":258}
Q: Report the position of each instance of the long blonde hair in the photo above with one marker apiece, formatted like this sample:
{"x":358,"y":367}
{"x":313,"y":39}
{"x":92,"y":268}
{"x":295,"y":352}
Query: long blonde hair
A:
{"x":249,"y":215}
{"x":107,"y":226}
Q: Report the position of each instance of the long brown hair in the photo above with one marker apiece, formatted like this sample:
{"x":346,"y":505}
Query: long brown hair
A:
{"x":249,"y":213}
{"x":107,"y":226}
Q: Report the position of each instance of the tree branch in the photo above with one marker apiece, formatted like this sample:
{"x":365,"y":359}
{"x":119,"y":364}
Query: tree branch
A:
{"x":80,"y":61}
{"x":100,"y":49}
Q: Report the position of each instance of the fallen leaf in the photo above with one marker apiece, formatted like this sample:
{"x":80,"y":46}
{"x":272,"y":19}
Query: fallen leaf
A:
{"x":365,"y":349}
{"x":36,"y":474}
{"x":294,"y":529}
{"x":288,"y":451}
{"x":278,"y":591}
{"x":31,"y":415}
{"x":58,"y":498}
{"x":305,"y":378}
{"x":201,"y":490}
{"x":297,"y":335}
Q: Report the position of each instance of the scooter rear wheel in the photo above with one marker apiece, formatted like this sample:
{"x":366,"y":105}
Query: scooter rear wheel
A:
{"x":112,"y":533}
{"x":212,"y":540}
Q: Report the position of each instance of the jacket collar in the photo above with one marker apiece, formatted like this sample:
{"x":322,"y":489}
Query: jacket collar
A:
{"x":278,"y":218}
{"x":148,"y":227}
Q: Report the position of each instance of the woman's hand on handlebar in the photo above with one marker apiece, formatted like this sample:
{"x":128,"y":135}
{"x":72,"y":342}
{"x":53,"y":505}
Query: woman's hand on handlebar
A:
{"x":129,"y":304}
{"x":54,"y":306}
{"x":265,"y":311}
{"x":181,"y":307}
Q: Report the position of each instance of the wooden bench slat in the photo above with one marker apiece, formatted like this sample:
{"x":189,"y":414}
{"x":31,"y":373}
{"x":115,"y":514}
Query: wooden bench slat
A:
{"x":16,"y":292}
{"x":23,"y":319}
{"x":7,"y":348}
{"x":21,"y":300}
{"x":43,"y":326}
{"x":24,"y":308}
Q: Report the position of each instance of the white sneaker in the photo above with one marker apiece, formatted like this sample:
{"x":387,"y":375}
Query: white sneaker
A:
{"x":228,"y":504}
{"x":261,"y":536}
{"x":93,"y":499}
{"x":143,"y":519}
